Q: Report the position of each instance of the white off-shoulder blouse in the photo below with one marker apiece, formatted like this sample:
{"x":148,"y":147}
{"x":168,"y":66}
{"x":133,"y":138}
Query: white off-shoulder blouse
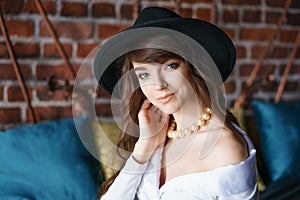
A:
{"x":231,"y":182}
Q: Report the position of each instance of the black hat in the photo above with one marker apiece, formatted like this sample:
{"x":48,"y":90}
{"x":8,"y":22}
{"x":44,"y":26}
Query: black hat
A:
{"x":214,"y":41}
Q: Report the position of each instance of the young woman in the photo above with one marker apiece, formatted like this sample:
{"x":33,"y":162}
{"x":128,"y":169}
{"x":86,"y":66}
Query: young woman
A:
{"x":182,"y":143}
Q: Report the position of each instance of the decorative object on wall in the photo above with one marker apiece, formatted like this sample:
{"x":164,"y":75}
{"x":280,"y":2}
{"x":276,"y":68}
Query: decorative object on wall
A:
{"x":240,"y":101}
{"x":57,"y":43}
{"x":287,"y":69}
{"x":60,"y":84}
{"x":53,"y":82}
{"x":33,"y":116}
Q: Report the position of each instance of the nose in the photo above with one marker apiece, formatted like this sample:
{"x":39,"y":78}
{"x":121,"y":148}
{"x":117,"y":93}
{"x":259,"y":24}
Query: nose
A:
{"x":161,"y":85}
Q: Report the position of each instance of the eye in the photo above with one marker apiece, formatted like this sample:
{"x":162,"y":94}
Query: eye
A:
{"x":143,"y":75}
{"x":172,"y":66}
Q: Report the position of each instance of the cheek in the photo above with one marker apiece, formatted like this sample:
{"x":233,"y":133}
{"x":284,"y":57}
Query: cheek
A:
{"x":147,"y":92}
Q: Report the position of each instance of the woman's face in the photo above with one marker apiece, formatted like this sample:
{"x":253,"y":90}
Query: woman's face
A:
{"x":165,"y":85}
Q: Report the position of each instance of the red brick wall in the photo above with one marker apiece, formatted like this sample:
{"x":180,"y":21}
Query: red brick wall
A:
{"x":81,"y":25}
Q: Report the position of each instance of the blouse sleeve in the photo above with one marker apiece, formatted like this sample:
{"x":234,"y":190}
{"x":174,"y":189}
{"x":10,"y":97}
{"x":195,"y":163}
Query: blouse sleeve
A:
{"x":126,"y":184}
{"x":250,"y":194}
{"x":149,"y":187}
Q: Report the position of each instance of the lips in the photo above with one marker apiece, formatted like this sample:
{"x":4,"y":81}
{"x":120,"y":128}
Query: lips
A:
{"x":165,"y":98}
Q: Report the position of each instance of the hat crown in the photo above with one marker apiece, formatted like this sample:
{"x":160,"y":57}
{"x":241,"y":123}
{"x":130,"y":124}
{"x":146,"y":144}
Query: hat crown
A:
{"x":152,"y":14}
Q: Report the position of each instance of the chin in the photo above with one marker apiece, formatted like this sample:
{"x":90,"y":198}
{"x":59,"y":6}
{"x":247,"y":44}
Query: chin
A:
{"x":169,"y":108}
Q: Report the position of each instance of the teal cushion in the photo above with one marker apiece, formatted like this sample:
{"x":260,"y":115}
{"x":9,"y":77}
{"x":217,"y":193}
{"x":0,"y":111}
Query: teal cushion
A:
{"x":47,"y":161}
{"x":279,"y":134}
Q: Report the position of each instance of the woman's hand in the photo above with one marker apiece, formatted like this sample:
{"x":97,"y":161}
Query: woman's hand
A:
{"x":153,"y":124}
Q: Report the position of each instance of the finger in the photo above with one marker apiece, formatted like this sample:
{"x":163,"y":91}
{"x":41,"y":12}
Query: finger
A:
{"x":146,"y":105}
{"x":143,"y":115}
{"x":157,"y":110}
{"x":160,"y":118}
{"x":154,"y":112}
{"x":165,"y":118}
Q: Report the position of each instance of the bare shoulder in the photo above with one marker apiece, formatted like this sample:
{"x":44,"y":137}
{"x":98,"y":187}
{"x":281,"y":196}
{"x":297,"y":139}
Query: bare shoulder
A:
{"x":231,"y":148}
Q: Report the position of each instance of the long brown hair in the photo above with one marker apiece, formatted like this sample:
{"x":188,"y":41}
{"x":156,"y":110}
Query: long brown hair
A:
{"x":133,"y":97}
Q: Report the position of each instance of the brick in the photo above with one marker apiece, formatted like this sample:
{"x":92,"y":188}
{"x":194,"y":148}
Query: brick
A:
{"x":256,"y":51}
{"x":249,"y":93}
{"x":51,"y":51}
{"x":295,"y":4}
{"x":101,"y":93}
{"x":196,"y":1}
{"x":232,"y":73}
{"x":269,"y":87}
{"x":288,"y":36}
{"x":127,"y":11}
{"x":8,"y":72}
{"x":3,"y":51}
{"x":246,"y":69}
{"x":277,"y":52}
{"x":84,"y":49}
{"x":256,"y":34}
{"x":229,"y":32}
{"x":273,"y":3}
{"x":44,"y":94}
{"x":82,"y":100}
{"x":231,"y":2}
{"x":241,"y":52}
{"x":230,"y":16}
{"x":186,"y":12}
{"x":14,"y":93}
{"x":103,"y":110}
{"x":230,"y":87}
{"x":108,"y":30}
{"x":74,"y":9}
{"x":281,"y":4}
{"x":204,"y":13}
{"x":83,"y":95}
{"x":22,"y":50}
{"x":84,"y":71}
{"x":295,"y":69}
{"x":52,"y":112}
{"x":293,"y":19}
{"x":280,"y":52}
{"x":11,"y":6}
{"x":44,"y":72}
{"x":48,"y":5}
{"x":252,"y":16}
{"x":103,"y":10}
{"x":242,"y":2}
{"x":20,"y":28}
{"x":10,"y":115}
{"x":272,"y":17}
{"x":297,"y":55}
{"x":74,"y":30}
{"x":291,"y":86}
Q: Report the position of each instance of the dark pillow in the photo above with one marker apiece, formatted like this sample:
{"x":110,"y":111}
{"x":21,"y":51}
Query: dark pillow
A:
{"x":47,"y":161}
{"x":279,"y":134}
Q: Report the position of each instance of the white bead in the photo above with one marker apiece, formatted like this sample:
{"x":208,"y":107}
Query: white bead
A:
{"x":179,"y":134}
{"x":194,"y":127}
{"x":187,"y":131}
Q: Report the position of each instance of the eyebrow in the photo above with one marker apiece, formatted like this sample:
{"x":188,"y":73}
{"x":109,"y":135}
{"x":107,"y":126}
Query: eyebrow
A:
{"x":139,"y":68}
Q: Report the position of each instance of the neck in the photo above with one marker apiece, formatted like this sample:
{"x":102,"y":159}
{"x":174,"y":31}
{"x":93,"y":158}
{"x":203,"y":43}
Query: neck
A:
{"x":187,"y":115}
